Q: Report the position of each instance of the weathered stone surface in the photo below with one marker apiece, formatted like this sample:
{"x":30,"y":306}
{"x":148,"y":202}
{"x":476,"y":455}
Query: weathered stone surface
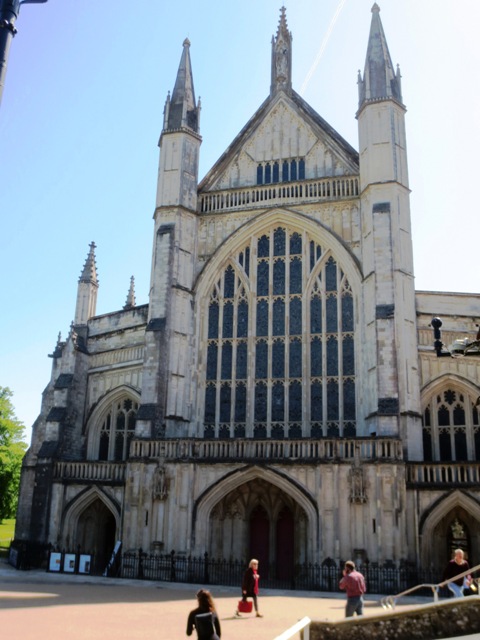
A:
{"x":454,"y":617}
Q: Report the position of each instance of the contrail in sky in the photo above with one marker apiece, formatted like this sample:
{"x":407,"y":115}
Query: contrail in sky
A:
{"x":322,"y":46}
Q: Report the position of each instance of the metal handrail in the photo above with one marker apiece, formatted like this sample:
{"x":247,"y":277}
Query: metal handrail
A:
{"x":389,"y":602}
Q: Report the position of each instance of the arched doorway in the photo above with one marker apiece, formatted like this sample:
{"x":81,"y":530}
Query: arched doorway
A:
{"x":95,"y":533}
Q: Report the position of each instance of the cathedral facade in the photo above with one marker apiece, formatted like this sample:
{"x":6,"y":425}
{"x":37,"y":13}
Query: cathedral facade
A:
{"x":280,"y":395}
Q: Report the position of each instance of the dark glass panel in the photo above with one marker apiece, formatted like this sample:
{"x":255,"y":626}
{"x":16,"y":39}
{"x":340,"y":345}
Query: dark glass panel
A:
{"x":301,"y":169}
{"x":427,"y":446}
{"x":460,"y":446}
{"x":285,"y":172}
{"x":263,"y":269}
{"x":119,"y":441}
{"x":241,"y":373}
{"x":212,"y":354}
{"x":261,"y":403}
{"x":474,"y":415}
{"x":225,"y":403}
{"x":229,"y":283}
{"x":240,"y":403}
{"x":477,"y":445}
{"x":332,"y":400}
{"x":332,"y":356}
{"x":278,"y":360}
{"x":259,"y":174}
{"x":332,"y":315}
{"x":316,"y":357}
{"x":331,"y":275}
{"x":279,"y":242}
{"x":295,"y":244}
{"x":262,"y":318}
{"x":227,"y":361}
{"x":316,"y":402}
{"x":443,"y":416}
{"x":210,"y":399}
{"x":293,"y":170}
{"x":242,"y":319}
{"x":296,"y":275}
{"x":349,"y":412}
{"x":458,"y":415}
{"x":278,"y":403}
{"x":295,"y":359}
{"x":316,"y":315}
{"x":279,"y":278}
{"x":276,"y":172}
{"x":261,"y":360}
{"x":263,"y":247}
{"x":268,"y":174}
{"x":347,"y":312}
{"x":227,"y":330}
{"x":278,"y":328}
{"x":445,"y":446}
{"x":104,"y":444}
{"x":295,"y":402}
{"x":348,"y":356}
{"x":295,"y":317}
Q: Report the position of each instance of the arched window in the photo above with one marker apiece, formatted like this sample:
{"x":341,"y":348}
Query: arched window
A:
{"x":117,"y":429}
{"x":279,"y":329}
{"x":451,"y":430}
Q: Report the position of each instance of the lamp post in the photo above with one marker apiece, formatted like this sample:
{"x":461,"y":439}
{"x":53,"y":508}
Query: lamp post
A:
{"x":9,"y":10}
{"x":459,"y":348}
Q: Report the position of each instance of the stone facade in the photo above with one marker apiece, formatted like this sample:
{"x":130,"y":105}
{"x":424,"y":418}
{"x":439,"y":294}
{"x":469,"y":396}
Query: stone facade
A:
{"x":279,"y":396}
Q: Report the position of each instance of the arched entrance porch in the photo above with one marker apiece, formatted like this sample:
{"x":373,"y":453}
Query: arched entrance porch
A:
{"x":91,"y":524}
{"x":453,"y":522}
{"x":257,"y":512}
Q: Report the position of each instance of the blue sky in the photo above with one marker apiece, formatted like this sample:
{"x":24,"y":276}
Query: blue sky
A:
{"x":82,"y":112}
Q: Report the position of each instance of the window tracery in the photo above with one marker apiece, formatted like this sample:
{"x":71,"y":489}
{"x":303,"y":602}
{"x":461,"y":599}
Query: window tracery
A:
{"x":117,"y":429}
{"x":279,"y":327}
{"x":451,"y":429}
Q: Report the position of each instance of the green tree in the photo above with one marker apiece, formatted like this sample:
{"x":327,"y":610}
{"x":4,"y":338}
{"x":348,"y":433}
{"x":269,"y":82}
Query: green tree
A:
{"x":12,"y":450}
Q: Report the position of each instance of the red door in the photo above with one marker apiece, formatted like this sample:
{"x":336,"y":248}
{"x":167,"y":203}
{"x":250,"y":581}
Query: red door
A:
{"x":285,"y":545}
{"x":260,"y":539}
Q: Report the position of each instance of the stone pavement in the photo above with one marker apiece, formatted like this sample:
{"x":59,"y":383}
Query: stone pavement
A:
{"x":36,"y":605}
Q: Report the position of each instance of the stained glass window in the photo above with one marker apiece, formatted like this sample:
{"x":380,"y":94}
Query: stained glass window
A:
{"x":280,"y":342}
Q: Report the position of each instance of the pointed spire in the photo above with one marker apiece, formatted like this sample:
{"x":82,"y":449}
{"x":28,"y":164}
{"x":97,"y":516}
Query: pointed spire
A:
{"x":282,"y":57}
{"x":89,"y":273}
{"x":180,"y":109}
{"x":130,"y":302}
{"x":379,"y":78}
{"x":87,"y":290}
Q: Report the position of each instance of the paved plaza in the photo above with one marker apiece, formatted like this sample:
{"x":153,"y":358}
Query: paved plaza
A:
{"x":35,"y":605}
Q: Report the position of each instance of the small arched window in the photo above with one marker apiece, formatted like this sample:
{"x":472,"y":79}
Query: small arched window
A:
{"x":117,"y":429}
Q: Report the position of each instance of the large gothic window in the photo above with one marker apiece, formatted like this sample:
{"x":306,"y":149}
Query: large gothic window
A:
{"x":117,"y":430}
{"x":279,"y":329}
{"x":451,"y":430}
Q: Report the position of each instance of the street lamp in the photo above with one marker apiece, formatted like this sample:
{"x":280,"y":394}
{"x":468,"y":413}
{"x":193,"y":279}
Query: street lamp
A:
{"x":459,"y":348}
{"x":9,"y":10}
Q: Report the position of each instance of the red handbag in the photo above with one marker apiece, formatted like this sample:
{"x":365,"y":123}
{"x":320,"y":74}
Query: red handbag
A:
{"x":245,"y":606}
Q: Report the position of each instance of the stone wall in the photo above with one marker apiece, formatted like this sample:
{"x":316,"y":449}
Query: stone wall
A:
{"x":453,"y":617}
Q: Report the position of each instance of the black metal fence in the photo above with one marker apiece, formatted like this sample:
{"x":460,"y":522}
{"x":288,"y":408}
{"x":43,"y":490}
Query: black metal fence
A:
{"x":388,"y":578}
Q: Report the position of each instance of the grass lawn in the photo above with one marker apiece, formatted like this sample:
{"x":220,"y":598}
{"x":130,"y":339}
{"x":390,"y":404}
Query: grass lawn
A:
{"x":7,"y":530}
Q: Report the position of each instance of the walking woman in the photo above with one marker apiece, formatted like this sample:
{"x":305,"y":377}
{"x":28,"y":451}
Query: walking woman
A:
{"x":204,"y":618}
{"x":250,"y":585}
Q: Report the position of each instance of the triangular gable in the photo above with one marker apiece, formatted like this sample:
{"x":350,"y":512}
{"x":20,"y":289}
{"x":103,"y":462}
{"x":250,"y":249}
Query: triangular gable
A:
{"x":305,"y":135}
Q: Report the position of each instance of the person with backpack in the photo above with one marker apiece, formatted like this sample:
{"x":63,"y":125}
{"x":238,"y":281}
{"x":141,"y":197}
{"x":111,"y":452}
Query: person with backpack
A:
{"x":204,"y":618}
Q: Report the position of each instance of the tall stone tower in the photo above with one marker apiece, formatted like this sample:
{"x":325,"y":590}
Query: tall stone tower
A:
{"x":169,"y":331}
{"x":390,"y":348}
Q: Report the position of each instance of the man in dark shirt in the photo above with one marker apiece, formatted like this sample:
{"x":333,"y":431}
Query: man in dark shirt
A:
{"x":354,"y":584}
